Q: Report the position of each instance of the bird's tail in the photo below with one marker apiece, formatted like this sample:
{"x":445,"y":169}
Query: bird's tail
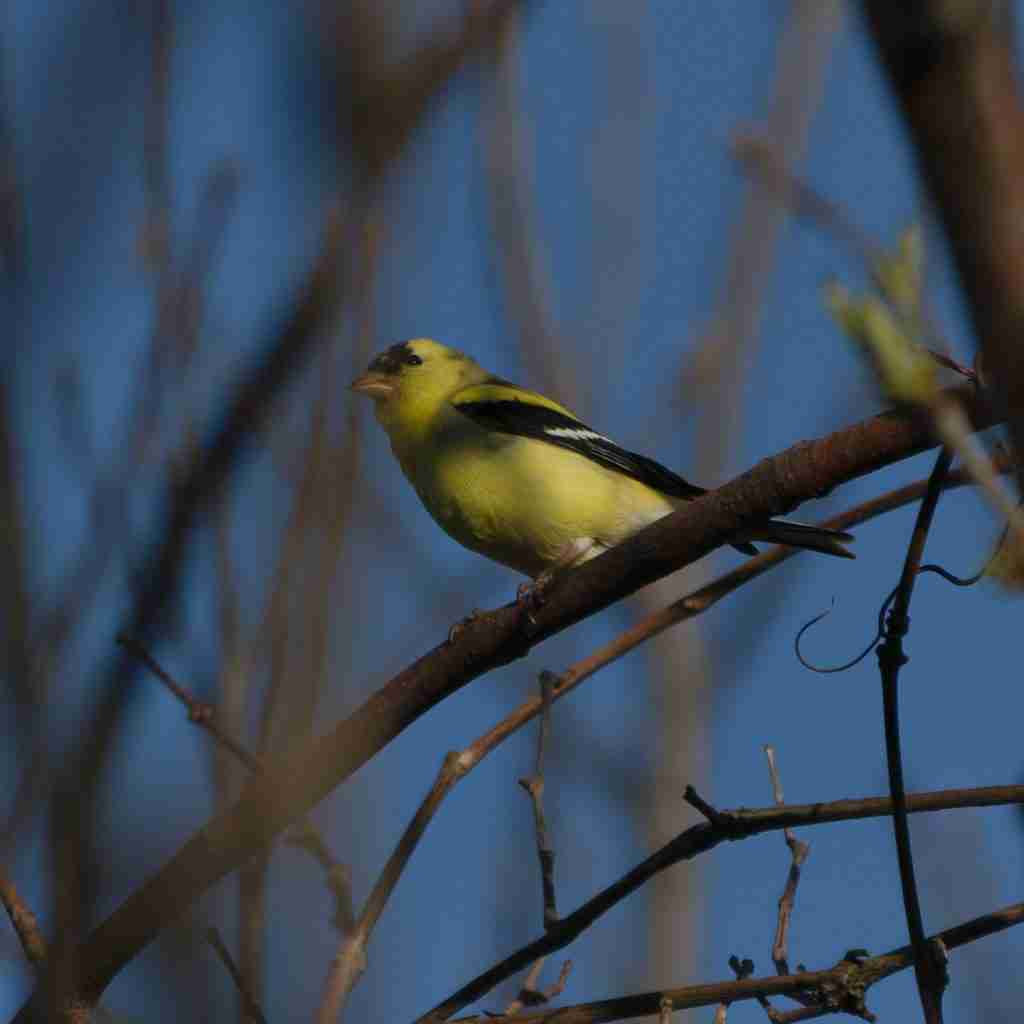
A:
{"x":800,"y":535}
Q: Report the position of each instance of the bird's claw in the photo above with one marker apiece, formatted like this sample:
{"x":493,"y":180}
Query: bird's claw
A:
{"x":530,"y":597}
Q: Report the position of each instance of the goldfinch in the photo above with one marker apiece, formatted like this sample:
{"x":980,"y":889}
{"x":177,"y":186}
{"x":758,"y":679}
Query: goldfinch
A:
{"x":516,"y":477}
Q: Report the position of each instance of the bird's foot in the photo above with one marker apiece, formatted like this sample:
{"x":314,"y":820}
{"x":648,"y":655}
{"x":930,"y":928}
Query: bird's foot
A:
{"x":530,"y":597}
{"x":456,"y":631}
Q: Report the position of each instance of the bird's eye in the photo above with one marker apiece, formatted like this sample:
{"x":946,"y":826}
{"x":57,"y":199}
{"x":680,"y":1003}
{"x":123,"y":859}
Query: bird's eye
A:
{"x":413,"y":360}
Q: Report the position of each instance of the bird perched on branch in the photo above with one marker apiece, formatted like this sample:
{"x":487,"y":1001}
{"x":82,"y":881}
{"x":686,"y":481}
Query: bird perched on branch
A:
{"x":516,"y":477}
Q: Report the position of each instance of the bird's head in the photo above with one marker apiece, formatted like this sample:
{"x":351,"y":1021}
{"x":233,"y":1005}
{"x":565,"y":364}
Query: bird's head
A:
{"x":412,"y":381}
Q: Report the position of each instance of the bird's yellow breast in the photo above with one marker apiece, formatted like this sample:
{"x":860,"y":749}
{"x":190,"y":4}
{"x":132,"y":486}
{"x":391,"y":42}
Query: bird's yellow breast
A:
{"x":522,"y":501}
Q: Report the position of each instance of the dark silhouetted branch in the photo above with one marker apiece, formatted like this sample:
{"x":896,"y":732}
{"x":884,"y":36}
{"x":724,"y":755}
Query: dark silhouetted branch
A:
{"x":891,"y":657}
{"x":722,"y":826}
{"x":840,"y":989}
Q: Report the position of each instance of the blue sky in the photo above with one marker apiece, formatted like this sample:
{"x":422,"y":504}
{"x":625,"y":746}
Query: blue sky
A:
{"x":626,"y":121}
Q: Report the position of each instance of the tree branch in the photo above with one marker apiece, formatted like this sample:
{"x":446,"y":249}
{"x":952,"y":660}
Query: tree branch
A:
{"x":841,"y":988}
{"x":304,"y":777}
{"x":891,"y":658}
{"x":723,"y":825}
{"x":799,"y":852}
{"x":350,"y":960}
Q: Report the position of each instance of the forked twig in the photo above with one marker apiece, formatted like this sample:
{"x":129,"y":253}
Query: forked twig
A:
{"x":799,"y":851}
{"x":727,"y":825}
{"x":531,"y":995}
{"x":843,"y":987}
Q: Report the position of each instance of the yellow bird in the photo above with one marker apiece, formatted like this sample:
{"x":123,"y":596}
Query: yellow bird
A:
{"x":517,"y":477}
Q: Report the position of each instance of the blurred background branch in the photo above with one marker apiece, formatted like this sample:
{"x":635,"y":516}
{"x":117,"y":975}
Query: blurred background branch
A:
{"x":211,"y":217}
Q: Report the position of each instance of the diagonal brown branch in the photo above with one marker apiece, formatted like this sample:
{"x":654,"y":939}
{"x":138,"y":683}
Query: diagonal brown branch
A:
{"x":305,"y":776}
{"x":350,"y":960}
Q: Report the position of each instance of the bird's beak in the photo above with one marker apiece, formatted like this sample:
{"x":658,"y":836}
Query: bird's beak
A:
{"x":376,"y":385}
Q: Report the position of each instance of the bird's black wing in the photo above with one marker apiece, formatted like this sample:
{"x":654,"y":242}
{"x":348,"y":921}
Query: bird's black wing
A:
{"x":498,"y":405}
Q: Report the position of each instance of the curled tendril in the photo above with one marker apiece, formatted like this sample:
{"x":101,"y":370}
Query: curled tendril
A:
{"x":827,"y":671}
{"x":938,"y":570}
{"x":969,"y":581}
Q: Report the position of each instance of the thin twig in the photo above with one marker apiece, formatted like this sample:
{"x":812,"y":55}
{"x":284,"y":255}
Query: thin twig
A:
{"x":24,"y":922}
{"x":890,"y":659}
{"x":349,"y":962}
{"x":529,"y":986}
{"x":699,"y":839}
{"x":745,"y":968}
{"x":695,"y":800}
{"x":533,"y":785}
{"x":252,"y":1007}
{"x":799,"y":851}
{"x":842,"y":988}
{"x":531,"y":995}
